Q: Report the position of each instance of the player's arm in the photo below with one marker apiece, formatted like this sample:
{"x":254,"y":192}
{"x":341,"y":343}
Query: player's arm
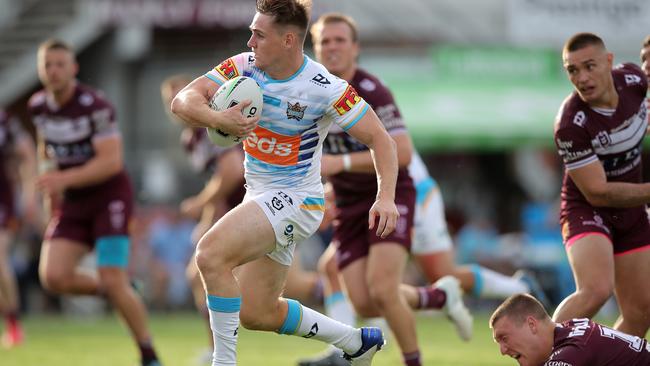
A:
{"x":369,"y":131}
{"x":227,"y":178}
{"x":592,"y":182}
{"x":107,"y":161}
{"x":361,"y":161}
{"x":191,"y":105}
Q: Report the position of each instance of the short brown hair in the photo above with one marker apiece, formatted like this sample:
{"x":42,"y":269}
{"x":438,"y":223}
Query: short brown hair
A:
{"x":330,"y":18}
{"x":287,"y":12}
{"x":517,"y":308}
{"x":646,"y":41}
{"x":54,"y":44}
{"x":581,"y":40}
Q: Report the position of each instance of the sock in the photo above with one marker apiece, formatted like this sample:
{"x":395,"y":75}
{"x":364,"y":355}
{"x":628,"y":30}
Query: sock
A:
{"x":307,"y":323}
{"x":224,"y":322}
{"x":338,"y":308}
{"x":493,"y":285}
{"x":412,"y":358}
{"x":147,"y":352}
{"x":431,"y":298}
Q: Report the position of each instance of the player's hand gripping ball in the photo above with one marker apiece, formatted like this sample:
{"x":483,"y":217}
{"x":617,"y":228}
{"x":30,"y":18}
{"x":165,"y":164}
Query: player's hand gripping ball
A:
{"x":230,"y":94}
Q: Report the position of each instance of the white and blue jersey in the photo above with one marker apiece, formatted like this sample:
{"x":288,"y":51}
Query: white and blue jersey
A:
{"x":285,"y":148}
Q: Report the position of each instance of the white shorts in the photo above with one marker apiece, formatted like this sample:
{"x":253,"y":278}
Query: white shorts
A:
{"x":430,"y":232}
{"x":295,"y":216}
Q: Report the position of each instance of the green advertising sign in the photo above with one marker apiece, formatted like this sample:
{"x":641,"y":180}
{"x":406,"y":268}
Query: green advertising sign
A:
{"x":477,"y":98}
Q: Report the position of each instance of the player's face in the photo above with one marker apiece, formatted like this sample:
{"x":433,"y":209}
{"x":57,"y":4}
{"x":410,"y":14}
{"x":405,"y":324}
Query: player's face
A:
{"x":645,"y":61}
{"x":589,"y":70}
{"x":266,"y":40}
{"x":335,"y":48}
{"x":56,"y":69}
{"x":520,"y":342}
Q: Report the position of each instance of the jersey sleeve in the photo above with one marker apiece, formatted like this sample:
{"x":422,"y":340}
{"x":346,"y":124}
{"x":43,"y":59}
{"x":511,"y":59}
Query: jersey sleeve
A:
{"x":574,"y":144}
{"x":102,"y":117}
{"x":231,"y":68}
{"x":383,"y":103}
{"x":346,"y":107}
{"x":634,"y":77}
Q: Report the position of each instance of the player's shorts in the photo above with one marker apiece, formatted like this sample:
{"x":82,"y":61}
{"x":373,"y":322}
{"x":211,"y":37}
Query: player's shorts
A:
{"x":7,"y":219}
{"x":627,"y":228}
{"x":295,"y":216}
{"x":86,"y":217}
{"x":352,"y":237}
{"x":430,"y":234}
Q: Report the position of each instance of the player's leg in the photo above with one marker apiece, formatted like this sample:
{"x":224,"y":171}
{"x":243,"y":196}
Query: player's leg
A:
{"x":337,"y":307}
{"x":633,"y":291}
{"x":303,"y":285}
{"x":112,"y":261}
{"x":385,"y":266}
{"x":336,"y":302}
{"x":432,"y":248}
{"x":242,"y":235}
{"x":592,"y":261}
{"x":198,"y":293}
{"x":58,"y":268}
{"x":12,"y":334}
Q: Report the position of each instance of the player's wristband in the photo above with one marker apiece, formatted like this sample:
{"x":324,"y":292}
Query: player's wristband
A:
{"x":347,"y":162}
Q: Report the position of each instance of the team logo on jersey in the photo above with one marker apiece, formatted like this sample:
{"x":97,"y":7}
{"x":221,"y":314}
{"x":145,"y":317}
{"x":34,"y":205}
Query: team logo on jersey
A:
{"x":631,"y":79}
{"x":227,"y":69}
{"x":320,"y":80}
{"x":580,"y":118}
{"x":295,"y":111}
{"x":345,"y":103}
{"x":603,"y":138}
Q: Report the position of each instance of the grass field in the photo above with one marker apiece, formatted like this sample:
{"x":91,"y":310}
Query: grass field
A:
{"x":59,"y":341}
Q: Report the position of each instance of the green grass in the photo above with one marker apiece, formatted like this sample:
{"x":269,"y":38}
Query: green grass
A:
{"x":179,"y":338}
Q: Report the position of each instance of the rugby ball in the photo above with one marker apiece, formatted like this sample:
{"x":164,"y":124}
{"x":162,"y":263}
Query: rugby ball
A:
{"x":231,"y":93}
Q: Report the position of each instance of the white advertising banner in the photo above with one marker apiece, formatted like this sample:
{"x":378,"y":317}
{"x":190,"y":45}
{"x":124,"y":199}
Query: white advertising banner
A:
{"x":621,"y":23}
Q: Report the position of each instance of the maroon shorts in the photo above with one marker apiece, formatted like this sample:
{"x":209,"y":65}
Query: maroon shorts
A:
{"x":89,"y":214}
{"x":627,"y":228}
{"x":352,"y":237}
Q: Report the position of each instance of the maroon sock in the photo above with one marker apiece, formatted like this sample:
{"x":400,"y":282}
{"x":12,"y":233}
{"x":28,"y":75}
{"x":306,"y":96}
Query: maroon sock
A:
{"x":147,"y":352}
{"x":412,"y":358}
{"x":431,"y":298}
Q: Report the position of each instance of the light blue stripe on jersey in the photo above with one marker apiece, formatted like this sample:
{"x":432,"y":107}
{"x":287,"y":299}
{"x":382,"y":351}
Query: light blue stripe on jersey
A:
{"x":113,"y":251}
{"x":293,"y":319}
{"x":271,"y":100}
{"x":216,"y":80}
{"x":423,"y":188}
{"x":313,"y":201}
{"x":304,"y":63}
{"x":356,"y":119}
{"x":224,"y":304}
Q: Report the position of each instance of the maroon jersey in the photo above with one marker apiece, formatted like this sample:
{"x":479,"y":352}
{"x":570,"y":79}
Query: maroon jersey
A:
{"x":581,"y":342}
{"x":584,"y":135}
{"x":349,"y":187}
{"x":69,"y":130}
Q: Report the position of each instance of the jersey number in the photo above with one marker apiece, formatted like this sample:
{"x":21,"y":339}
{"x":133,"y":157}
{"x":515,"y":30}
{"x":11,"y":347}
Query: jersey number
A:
{"x":634,"y":342}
